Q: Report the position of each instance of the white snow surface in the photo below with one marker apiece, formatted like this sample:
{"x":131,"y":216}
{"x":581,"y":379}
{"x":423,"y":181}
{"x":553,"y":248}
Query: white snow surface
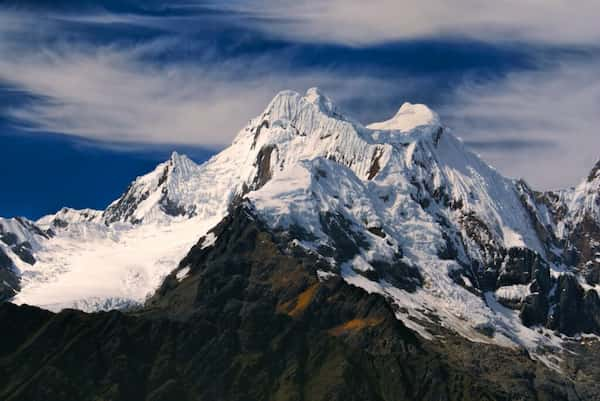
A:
{"x":318,"y":160}
{"x":409,"y":117}
{"x":516,"y":292}
{"x":183,"y":273}
{"x":93,"y":267}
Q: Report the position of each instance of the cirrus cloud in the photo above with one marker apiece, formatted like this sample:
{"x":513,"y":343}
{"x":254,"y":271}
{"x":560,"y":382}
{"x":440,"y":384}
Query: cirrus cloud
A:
{"x":540,"y":123}
{"x":118,"y":93}
{"x":357,"y":22}
{"x":543,"y":125}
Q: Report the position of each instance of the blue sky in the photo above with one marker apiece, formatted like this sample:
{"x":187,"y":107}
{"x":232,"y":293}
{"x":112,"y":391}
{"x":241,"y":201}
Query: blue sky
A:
{"x":93,"y":94}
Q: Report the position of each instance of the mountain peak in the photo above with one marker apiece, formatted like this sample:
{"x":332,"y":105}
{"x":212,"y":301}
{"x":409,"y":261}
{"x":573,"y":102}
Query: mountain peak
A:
{"x":175,"y":156}
{"x":314,"y":93}
{"x":165,"y":192}
{"x":408,"y":117}
{"x":288,"y":103}
{"x":180,"y":163}
{"x":324,"y":102}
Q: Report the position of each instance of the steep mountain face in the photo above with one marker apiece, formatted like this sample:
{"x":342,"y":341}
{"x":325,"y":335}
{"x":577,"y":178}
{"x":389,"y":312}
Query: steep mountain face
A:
{"x":19,"y":240}
{"x":576,"y":213}
{"x":399,"y":209}
{"x":170,"y":190}
{"x":571,"y":221}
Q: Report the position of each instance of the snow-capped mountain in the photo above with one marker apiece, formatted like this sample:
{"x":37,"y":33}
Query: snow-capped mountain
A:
{"x":400,"y":208}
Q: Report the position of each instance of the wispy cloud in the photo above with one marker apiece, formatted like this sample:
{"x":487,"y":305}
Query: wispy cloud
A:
{"x":357,"y":22}
{"x":542,"y":125}
{"x":118,"y":93}
{"x":108,"y":95}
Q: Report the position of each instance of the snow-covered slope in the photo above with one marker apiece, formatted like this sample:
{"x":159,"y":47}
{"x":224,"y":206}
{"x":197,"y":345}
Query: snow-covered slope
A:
{"x":409,"y":117}
{"x":400,"y":207}
{"x":19,"y":240}
{"x":168,"y":191}
{"x":97,"y":260}
{"x":91,"y":266}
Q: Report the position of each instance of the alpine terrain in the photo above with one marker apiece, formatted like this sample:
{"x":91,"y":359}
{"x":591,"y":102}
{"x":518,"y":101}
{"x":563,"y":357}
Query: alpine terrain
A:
{"x":313,"y":259}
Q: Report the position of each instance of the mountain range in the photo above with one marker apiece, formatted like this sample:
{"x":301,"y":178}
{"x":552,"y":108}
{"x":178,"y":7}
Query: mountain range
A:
{"x":313,"y":258}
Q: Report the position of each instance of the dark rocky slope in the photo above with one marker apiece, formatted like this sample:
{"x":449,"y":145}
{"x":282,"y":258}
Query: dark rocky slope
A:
{"x":251,"y":321}
{"x":9,"y":280}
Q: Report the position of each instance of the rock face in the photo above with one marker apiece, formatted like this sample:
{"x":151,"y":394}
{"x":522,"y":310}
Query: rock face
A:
{"x":19,"y":239}
{"x":9,"y":279}
{"x":250,"y":320}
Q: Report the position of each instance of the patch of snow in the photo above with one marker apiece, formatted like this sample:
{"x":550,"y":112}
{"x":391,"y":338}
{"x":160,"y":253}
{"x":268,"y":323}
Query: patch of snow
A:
{"x":324,"y":276}
{"x":356,"y":279}
{"x":530,"y":338}
{"x":182,"y":274}
{"x":209,"y":240}
{"x":517,"y":292}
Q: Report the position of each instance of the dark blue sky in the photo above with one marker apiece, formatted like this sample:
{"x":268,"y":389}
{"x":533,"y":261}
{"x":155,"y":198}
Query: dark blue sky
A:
{"x":44,"y":172}
{"x":93,"y":94}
